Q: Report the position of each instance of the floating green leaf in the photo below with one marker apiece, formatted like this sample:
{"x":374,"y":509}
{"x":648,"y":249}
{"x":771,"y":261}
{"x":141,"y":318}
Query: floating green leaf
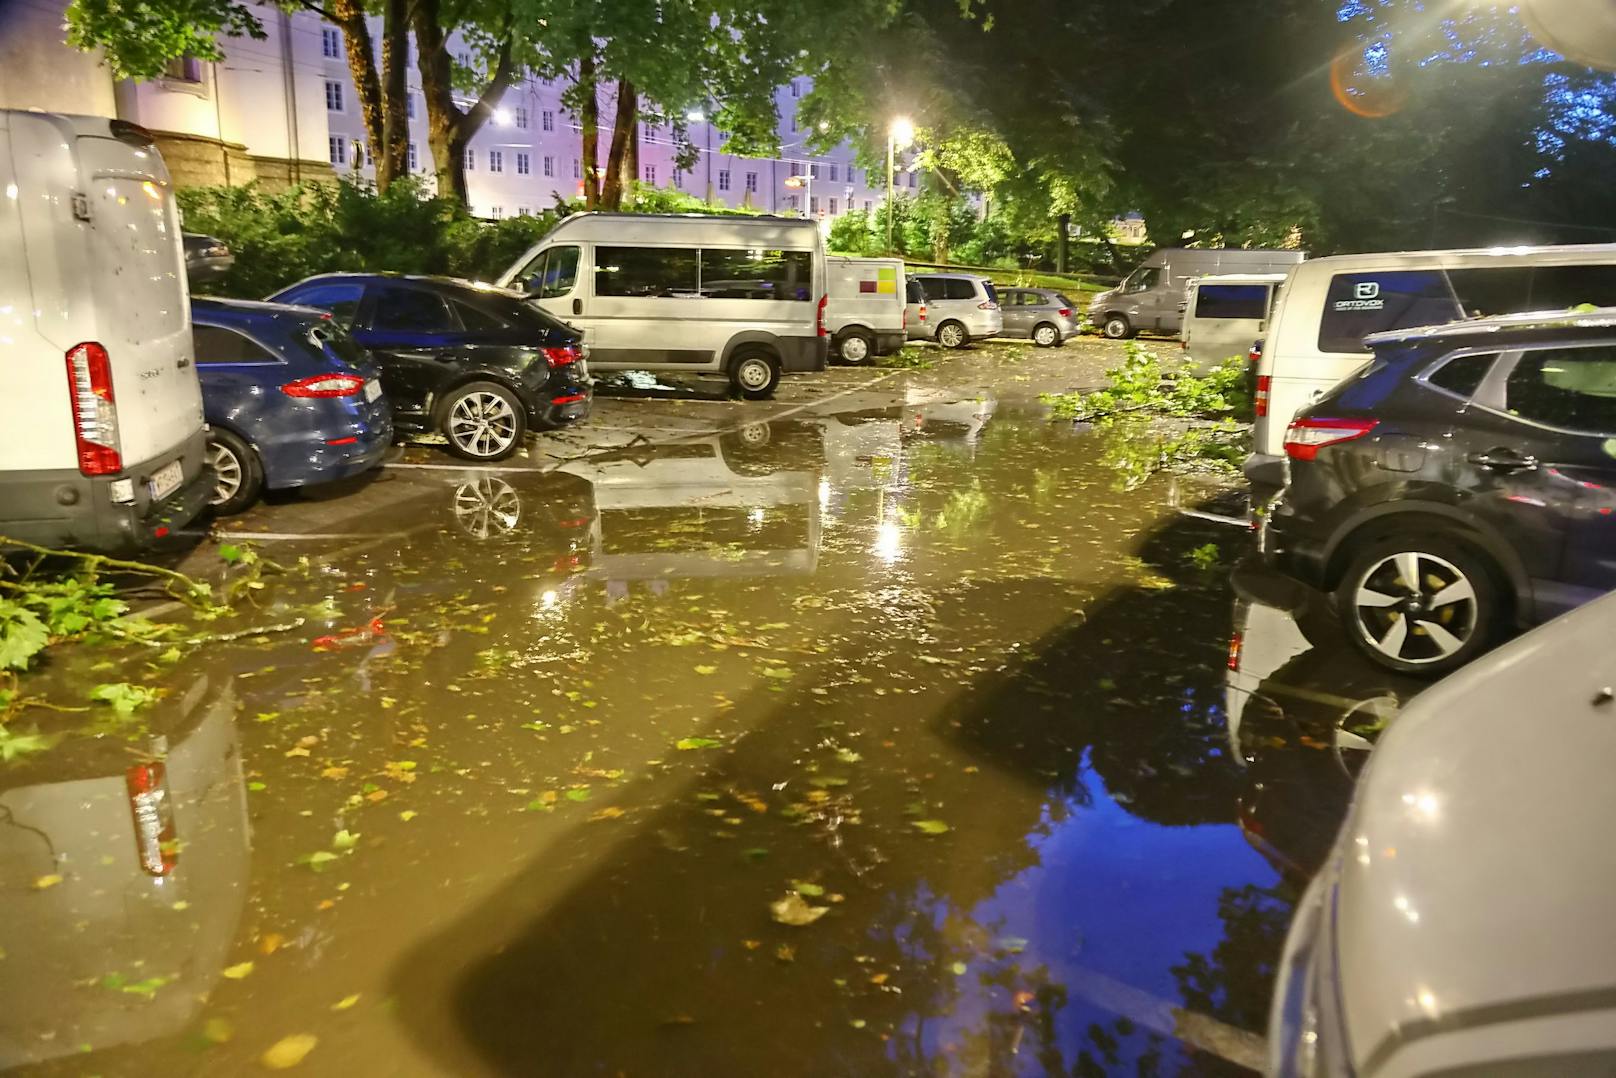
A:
{"x":688,"y":743}
{"x":931,"y":827}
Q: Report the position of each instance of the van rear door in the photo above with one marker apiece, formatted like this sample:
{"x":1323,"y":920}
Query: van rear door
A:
{"x":136,"y":275}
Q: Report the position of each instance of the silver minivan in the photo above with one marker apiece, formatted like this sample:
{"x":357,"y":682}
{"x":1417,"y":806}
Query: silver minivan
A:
{"x":1148,"y":300}
{"x":740,"y":296}
{"x":960,"y":308}
{"x":101,"y":433}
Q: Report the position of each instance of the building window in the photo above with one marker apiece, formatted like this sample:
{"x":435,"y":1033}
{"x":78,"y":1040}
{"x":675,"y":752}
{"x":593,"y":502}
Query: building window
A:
{"x":183,"y":69}
{"x":911,"y":179}
{"x":832,"y":207}
{"x":577,"y":169}
{"x":796,"y":168}
{"x":866,"y":205}
{"x":723,"y":179}
{"x":463,"y":59}
{"x":796,"y":91}
{"x":793,"y":124}
{"x":549,"y":165}
{"x":471,"y":159}
{"x":521,"y":163}
{"x":813,"y":171}
{"x":678,"y":177}
{"x":339,"y":149}
{"x":751,"y":182}
{"x":331,"y":42}
{"x":409,"y":105}
{"x":813,"y":204}
{"x":792,"y":202}
{"x":833,"y":177}
{"x":547,"y":120}
{"x":521,"y":117}
{"x":496,"y":160}
{"x":414,"y":161}
{"x":333,"y":95}
{"x":523,"y":211}
{"x":650,"y":174}
{"x":496,"y":212}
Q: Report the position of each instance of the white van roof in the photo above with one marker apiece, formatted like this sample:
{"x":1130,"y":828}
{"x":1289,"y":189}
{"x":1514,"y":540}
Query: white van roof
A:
{"x":1240,"y":278}
{"x":695,"y":228}
{"x":1478,"y":256}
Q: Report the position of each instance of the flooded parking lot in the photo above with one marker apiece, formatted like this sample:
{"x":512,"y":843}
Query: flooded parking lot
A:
{"x":892,"y":728}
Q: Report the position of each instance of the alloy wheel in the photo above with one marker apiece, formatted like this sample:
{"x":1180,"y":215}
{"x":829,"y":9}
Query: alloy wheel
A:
{"x":1414,"y":607}
{"x":482,"y":424}
{"x":951,"y":336}
{"x":227,"y":473}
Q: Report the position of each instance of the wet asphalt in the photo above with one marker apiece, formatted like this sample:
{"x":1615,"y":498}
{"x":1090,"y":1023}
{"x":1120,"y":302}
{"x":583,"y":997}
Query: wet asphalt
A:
{"x":888,"y":727}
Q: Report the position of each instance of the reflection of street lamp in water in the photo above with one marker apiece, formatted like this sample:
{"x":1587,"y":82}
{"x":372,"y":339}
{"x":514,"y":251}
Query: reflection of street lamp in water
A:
{"x":888,"y":541}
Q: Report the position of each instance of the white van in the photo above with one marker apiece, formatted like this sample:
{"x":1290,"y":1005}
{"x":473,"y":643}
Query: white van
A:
{"x":1149,"y":300}
{"x":865,"y":315}
{"x":1328,"y":305}
{"x":741,"y":296}
{"x":1224,"y":315}
{"x":101,"y":435}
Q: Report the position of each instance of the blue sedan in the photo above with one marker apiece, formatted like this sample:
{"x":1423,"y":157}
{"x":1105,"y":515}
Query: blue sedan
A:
{"x":290,"y":399}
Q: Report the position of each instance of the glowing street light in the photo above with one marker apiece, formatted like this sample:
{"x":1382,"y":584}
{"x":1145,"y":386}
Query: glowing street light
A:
{"x":695,"y":116}
{"x":901,"y":133}
{"x":502,"y":117}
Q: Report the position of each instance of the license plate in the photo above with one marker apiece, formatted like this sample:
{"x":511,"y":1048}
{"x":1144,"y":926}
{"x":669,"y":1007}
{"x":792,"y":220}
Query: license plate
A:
{"x":373,"y":389}
{"x":166,"y":480}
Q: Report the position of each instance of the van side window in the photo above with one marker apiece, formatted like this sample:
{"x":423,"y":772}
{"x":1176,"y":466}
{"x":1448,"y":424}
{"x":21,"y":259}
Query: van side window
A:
{"x":756,"y":274}
{"x":1248,"y":301}
{"x":957,"y":288}
{"x":645,"y":271}
{"x":560,"y":273}
{"x":1570,"y":388}
{"x":216,"y":345}
{"x":1559,"y":287}
{"x":1358,"y":304}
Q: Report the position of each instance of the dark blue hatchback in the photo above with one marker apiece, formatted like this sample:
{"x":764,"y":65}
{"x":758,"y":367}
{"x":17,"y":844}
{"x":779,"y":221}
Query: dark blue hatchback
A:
{"x":290,"y":399}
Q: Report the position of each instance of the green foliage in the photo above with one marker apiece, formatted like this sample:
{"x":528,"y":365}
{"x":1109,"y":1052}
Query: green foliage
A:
{"x":1204,"y":557}
{"x":125,"y":699}
{"x":1140,"y":385}
{"x":282,"y":237}
{"x":648,"y":198}
{"x":22,"y":635}
{"x":139,"y":39}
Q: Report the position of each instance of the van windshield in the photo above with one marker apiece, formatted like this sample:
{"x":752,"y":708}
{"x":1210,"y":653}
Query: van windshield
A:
{"x":1142,"y":279}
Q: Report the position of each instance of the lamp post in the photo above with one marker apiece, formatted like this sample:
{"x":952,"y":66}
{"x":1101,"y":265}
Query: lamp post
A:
{"x":900,"y":134}
{"x":696,"y":116}
{"x":804,"y":183}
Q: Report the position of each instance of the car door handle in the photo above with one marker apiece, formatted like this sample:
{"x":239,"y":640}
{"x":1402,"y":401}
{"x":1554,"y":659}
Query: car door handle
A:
{"x":577,"y":306}
{"x":1503,"y":459}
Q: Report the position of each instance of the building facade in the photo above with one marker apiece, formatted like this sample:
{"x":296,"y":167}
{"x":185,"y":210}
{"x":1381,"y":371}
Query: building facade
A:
{"x":283,"y":110}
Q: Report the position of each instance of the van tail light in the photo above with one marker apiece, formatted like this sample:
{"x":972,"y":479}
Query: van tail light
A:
{"x":904,"y":324}
{"x":1265,"y":386}
{"x":153,"y":813}
{"x":1237,"y":645}
{"x":325,"y":385}
{"x":1065,"y":312}
{"x":1305,"y":437}
{"x":95,"y":411}
{"x":824,"y":299}
{"x":563,"y":356}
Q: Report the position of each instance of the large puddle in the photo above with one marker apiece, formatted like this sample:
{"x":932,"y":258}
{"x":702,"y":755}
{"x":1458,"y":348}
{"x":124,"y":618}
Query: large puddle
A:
{"x":897,"y":741}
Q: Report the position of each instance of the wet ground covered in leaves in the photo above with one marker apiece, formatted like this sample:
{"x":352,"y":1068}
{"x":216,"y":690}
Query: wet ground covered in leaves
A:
{"x":878,"y":739}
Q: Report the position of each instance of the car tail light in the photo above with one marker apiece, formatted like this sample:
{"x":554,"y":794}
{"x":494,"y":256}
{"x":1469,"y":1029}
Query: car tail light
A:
{"x":325,"y":385}
{"x":923,"y":312}
{"x":153,"y":814}
{"x":1254,"y":356}
{"x":987,"y":306}
{"x":562,"y":356}
{"x":1065,"y":312}
{"x":95,"y":411}
{"x":1265,"y":386}
{"x":1237,"y":644}
{"x":1305,"y":437}
{"x":824,"y":299}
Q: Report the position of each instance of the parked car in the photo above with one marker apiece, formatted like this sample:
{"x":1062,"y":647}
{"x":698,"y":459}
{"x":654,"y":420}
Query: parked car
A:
{"x":206,"y":258}
{"x":101,"y":441}
{"x":960,"y":308}
{"x":915,"y":325}
{"x":477,"y":364}
{"x":1040,"y":315}
{"x":1327,"y":307}
{"x":865,"y":314}
{"x":1461,"y":485}
{"x":290,"y":399}
{"x":1224,"y":316}
{"x":1461,"y":924}
{"x":1148,"y":299}
{"x":740,"y":296}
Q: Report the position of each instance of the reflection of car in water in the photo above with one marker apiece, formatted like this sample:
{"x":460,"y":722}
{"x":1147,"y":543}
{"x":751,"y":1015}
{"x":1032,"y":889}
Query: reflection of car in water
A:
{"x":1303,"y":709}
{"x":1461,"y":924}
{"x":738,"y":504}
{"x":122,"y":877}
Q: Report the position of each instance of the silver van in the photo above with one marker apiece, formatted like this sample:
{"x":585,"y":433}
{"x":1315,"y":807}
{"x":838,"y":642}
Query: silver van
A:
{"x":960,"y":308}
{"x":741,"y":296}
{"x":1224,"y":316}
{"x":1149,"y":299}
{"x":101,"y":434}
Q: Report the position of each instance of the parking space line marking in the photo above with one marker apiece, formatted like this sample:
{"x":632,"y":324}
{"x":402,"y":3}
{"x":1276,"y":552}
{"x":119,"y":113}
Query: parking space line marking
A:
{"x":1199,"y":1031}
{"x":267,"y":537}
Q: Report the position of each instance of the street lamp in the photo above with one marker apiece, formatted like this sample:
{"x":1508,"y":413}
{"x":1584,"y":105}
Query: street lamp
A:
{"x":804,"y":183}
{"x":697,"y":116}
{"x":900,"y":134}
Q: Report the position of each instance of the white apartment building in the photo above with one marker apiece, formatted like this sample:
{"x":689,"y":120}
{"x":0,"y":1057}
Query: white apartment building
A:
{"x":283,"y":109}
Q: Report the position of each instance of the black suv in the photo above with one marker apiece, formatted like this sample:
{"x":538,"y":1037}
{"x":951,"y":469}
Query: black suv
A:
{"x":1461,"y":485}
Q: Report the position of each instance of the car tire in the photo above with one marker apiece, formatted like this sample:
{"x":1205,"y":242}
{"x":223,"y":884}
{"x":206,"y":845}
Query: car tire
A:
{"x":238,"y":474}
{"x":1046,"y":335}
{"x":754,"y":374}
{"x":952,"y":334}
{"x":855,"y":346}
{"x":1117,"y":327}
{"x":482,"y":421}
{"x":1447,"y":615}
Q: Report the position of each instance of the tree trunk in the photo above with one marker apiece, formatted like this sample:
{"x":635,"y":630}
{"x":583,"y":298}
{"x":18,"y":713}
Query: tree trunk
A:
{"x":1064,"y":223}
{"x":350,"y":16}
{"x":448,"y":129}
{"x":589,"y":124}
{"x":631,"y":156}
{"x":391,"y":151}
{"x":628,"y":99}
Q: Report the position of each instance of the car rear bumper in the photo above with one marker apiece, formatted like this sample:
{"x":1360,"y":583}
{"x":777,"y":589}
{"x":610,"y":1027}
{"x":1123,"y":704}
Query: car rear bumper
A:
{"x":561,"y":407}
{"x":63,"y":508}
{"x":1265,"y":470}
{"x":1288,"y":546}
